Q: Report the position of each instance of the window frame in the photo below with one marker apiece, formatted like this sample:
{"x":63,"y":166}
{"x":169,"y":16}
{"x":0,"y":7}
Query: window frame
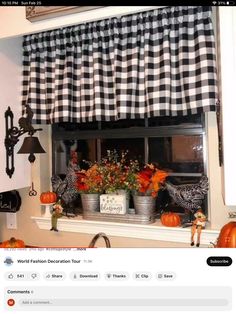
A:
{"x":133,"y":132}
{"x":146,"y":132}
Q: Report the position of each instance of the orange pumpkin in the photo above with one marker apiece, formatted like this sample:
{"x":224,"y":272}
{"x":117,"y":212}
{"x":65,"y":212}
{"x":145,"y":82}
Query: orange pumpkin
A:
{"x":170,"y":219}
{"x":48,"y":197}
{"x":227,"y":236}
{"x":12,"y":243}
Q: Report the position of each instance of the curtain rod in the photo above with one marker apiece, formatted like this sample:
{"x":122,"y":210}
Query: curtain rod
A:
{"x":97,"y":18}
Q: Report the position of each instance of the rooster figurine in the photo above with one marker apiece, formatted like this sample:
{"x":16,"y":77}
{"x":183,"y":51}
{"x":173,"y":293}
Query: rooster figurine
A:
{"x":189,"y":196}
{"x":66,"y":189}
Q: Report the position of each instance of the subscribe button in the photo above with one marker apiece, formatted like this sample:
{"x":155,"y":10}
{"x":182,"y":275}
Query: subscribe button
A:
{"x":219,"y":261}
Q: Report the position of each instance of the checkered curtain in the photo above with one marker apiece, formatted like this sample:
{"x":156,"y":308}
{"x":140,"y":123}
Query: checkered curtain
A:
{"x":155,"y":63}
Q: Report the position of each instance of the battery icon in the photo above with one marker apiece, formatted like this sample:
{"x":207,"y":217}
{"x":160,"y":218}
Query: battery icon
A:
{"x":230,"y":2}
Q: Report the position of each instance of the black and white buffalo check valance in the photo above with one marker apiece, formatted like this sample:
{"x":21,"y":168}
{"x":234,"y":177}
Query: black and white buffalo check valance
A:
{"x":154,"y":63}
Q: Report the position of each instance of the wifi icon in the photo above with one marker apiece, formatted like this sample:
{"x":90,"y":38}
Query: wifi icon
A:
{"x":214,"y":2}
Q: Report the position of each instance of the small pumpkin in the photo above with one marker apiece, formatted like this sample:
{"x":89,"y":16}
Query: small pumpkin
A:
{"x":12,"y":243}
{"x":170,"y":219}
{"x":227,"y":236}
{"x":48,"y":197}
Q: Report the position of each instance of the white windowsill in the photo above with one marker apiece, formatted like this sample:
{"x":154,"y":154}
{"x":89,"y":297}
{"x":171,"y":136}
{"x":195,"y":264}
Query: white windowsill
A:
{"x":153,"y":231}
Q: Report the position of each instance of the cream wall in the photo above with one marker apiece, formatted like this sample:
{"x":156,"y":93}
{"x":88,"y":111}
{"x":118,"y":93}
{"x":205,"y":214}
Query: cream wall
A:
{"x":218,"y":211}
{"x":227,"y":62}
{"x":28,"y":230}
{"x":10,"y":82}
{"x":13,"y":22}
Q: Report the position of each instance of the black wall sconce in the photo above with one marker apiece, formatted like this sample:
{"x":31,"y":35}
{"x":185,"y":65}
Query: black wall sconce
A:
{"x":31,"y":144}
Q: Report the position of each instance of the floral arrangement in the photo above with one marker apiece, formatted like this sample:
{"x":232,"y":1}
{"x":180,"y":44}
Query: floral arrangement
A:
{"x":90,"y":181}
{"x":118,"y":172}
{"x":114,"y":172}
{"x":150,"y":180}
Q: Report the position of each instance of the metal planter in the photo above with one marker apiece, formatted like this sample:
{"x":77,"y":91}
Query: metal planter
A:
{"x":90,"y":202}
{"x":144,"y":205}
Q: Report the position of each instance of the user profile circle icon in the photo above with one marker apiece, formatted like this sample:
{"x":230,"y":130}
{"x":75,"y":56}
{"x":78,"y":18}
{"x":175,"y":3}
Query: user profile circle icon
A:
{"x":11,"y":302}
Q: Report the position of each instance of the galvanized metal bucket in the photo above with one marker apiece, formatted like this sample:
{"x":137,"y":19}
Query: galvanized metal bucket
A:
{"x":144,"y":205}
{"x":90,"y":202}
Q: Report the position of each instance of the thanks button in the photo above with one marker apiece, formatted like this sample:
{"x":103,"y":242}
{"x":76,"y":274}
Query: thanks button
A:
{"x":219,"y":261}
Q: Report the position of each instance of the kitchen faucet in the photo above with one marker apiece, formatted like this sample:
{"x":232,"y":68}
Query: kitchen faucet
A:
{"x":96,"y":237}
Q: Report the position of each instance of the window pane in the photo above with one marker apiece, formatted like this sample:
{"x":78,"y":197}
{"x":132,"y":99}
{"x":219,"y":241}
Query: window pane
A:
{"x":178,"y":153}
{"x":134,"y":146}
{"x":86,"y":150}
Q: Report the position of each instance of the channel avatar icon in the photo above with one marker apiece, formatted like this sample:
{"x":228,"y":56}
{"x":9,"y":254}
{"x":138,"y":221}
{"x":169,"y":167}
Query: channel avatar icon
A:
{"x":8,"y":261}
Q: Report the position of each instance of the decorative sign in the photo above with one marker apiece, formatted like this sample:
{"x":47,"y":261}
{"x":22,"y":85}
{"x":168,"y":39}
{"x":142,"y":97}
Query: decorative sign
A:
{"x":113,"y":204}
{"x":10,"y":201}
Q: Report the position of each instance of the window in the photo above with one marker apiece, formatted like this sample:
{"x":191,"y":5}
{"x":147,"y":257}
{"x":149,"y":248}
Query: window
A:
{"x":176,"y":144}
